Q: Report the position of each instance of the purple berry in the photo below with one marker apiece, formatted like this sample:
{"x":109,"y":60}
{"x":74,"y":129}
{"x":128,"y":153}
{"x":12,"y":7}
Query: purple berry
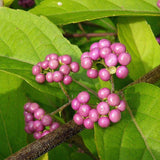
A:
{"x":38,"y":126}
{"x":57,"y":76}
{"x":65,"y":69}
{"x":53,"y":64}
{"x":121,"y":106}
{"x":74,"y":67}
{"x":45,"y":64}
{"x":124,"y":59}
{"x":28,"y":117}
{"x":104,"y":51}
{"x":26,"y":106}
{"x":26,"y":3}
{"x":46,"y":120}
{"x":53,"y":56}
{"x":67,"y":79}
{"x":75,"y":104}
{"x":93,"y":115}
{"x":158,"y":38}
{"x":25,"y":112}
{"x":84,"y":110}
{"x":47,"y":58}
{"x":49,"y":77}
{"x":39,"y":64}
{"x":113,"y":99}
{"x":111,"y":60}
{"x":115,"y":115}
{"x":92,"y":73}
{"x":33,"y":107}
{"x":118,"y":48}
{"x":104,"y":43}
{"x":36,"y":70}
{"x":104,"y":74}
{"x":66,"y":59}
{"x":37,"y":135}
{"x":83,"y":97}
{"x":122,"y":72}
{"x":104,"y":122}
{"x":103,"y":93}
{"x":158,"y":3}
{"x":88,"y":123}
{"x":40,"y":78}
{"x":27,"y":130}
{"x":39,"y":113}
{"x":31,"y":126}
{"x":54,"y":126}
{"x":94,"y":45}
{"x":84,"y":55}
{"x":86,"y":63}
{"x":45,"y":133}
{"x":94,"y":54}
{"x":78,"y":119}
{"x":103,"y":108}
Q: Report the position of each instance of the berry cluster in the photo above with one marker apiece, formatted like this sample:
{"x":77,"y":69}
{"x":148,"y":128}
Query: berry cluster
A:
{"x":55,"y":69}
{"x":108,"y":110}
{"x":112,"y":57}
{"x":26,"y":3}
{"x":37,"y":122}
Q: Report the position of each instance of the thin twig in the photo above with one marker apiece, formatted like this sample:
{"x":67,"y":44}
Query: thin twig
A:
{"x":83,"y":31}
{"x":112,"y":83}
{"x":64,"y":91}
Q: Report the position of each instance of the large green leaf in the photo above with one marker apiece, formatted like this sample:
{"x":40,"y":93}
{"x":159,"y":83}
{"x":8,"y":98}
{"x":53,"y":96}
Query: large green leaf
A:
{"x":12,"y":98}
{"x":71,"y":11}
{"x":136,"y":136}
{"x":140,"y":42}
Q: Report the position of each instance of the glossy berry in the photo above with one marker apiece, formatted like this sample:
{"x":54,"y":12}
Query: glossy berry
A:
{"x":84,"y":55}
{"x":39,"y":113}
{"x":74,"y":67}
{"x":88,"y":123}
{"x":26,"y":106}
{"x":94,"y":45}
{"x":124,"y":59}
{"x":104,"y":43}
{"x":113,"y":99}
{"x":118,"y":48}
{"x":92,"y":73}
{"x":103,"y":108}
{"x":36,"y":70}
{"x":45,"y":64}
{"x":39,"y":64}
{"x":121,"y":106}
{"x":86,"y":63}
{"x":104,"y":74}
{"x":84,"y":110}
{"x":28,"y":117}
{"x":158,"y":3}
{"x":65,"y":69}
{"x":53,"y":64}
{"x":78,"y":119}
{"x":93,"y":115}
{"x":37,"y":135}
{"x":103,"y":122}
{"x":54,"y":126}
{"x":49,"y":77}
{"x":103,"y":93}
{"x":75,"y":104}
{"x":115,"y":115}
{"x":94,"y":54}
{"x":111,"y":60}
{"x":53,"y":56}
{"x":27,"y":130}
{"x":122,"y":72}
{"x":66,"y":59}
{"x":67,"y":79}
{"x":45,"y":133}
{"x":83,"y":97}
{"x":38,"y":126}
{"x":31,"y":126}
{"x":104,"y":52}
{"x":57,"y":76}
{"x":40,"y":78}
{"x":46,"y":120}
{"x":33,"y":107}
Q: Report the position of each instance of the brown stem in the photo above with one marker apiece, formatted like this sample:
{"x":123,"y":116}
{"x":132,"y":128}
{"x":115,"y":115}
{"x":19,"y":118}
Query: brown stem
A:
{"x":112,"y":83}
{"x":64,"y":91}
{"x":83,"y":31}
{"x":46,"y":143}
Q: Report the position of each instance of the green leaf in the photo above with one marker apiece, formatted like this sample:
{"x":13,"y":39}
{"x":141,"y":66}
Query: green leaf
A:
{"x":12,"y":99}
{"x":43,"y":157}
{"x":136,"y":136}
{"x":71,"y":11}
{"x":140,"y":42}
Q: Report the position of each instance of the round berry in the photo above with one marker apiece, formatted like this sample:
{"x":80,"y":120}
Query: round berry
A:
{"x":36,"y":70}
{"x":158,"y":3}
{"x":65,"y":69}
{"x":83,"y":97}
{"x":38,"y":126}
{"x":47,"y":58}
{"x":118,"y":48}
{"x":40,"y":78}
{"x":66,"y":59}
{"x":25,"y":112}
{"x":104,"y":52}
{"x":103,"y":108}
{"x":78,"y":119}
{"x":94,"y":45}
{"x":103,"y":93}
{"x":84,"y":110}
{"x":84,"y":55}
{"x":57,"y":76}
{"x":39,"y":113}
{"x":75,"y":104}
{"x":94,"y":54}
{"x":92,"y":73}
{"x":111,"y":60}
{"x":54,"y":126}
{"x":74,"y":67}
{"x":39,"y":64}
{"x":46,"y":120}
{"x":115,"y":115}
{"x":104,"y":122}
{"x":113,"y":99}
{"x":45,"y":133}
{"x":37,"y":135}
{"x":121,"y":106}
{"x":28,"y":117}
{"x":124,"y":59}
{"x":88,"y":123}
{"x":53,"y":64}
{"x":45,"y":64}
{"x":93,"y":115}
{"x":53,"y":56}
{"x":31,"y":126}
{"x":104,"y":43}
{"x":86,"y":63}
{"x":122,"y":72}
{"x":33,"y":107}
{"x":27,"y":130}
{"x":104,"y":74}
{"x":67,"y":79}
{"x":26,"y":106}
{"x":49,"y":77}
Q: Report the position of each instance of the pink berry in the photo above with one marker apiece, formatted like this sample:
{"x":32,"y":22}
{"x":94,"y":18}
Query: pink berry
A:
{"x":118,"y":48}
{"x":36,"y":70}
{"x":26,"y":106}
{"x":94,"y":54}
{"x":121,"y":106}
{"x":83,"y":97}
{"x":103,"y":108}
{"x":122,"y":72}
{"x":45,"y":132}
{"x":28,"y":117}
{"x":54,"y":126}
{"x":84,"y":110}
{"x":57,"y":76}
{"x":104,"y":43}
{"x":37,"y":135}
{"x":67,"y":79}
{"x":65,"y":69}
{"x":86,"y":63}
{"x":103,"y":93}
{"x":104,"y":122}
{"x":78,"y":119}
{"x":115,"y":115}
{"x":158,"y":3}
{"x":40,"y":78}
{"x":53,"y":56}
{"x":53,"y":64}
{"x":124,"y":59}
{"x":38,"y":126}
{"x":84,"y":55}
{"x":46,"y":120}
{"x":44,"y":64}
{"x":74,"y":67}
{"x":104,"y":51}
{"x":31,"y":126}
{"x":49,"y":77}
{"x":39,"y":113}
{"x":94,"y":45}
{"x":33,"y":107}
{"x":88,"y":123}
{"x":75,"y":104}
{"x":66,"y":59}
{"x":113,"y":99}
{"x":39,"y":64}
{"x":104,"y":74}
{"x":92,"y":73}
{"x":111,"y":60}
{"x":27,"y":130}
{"x":93,"y":115}
{"x":47,"y":58}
